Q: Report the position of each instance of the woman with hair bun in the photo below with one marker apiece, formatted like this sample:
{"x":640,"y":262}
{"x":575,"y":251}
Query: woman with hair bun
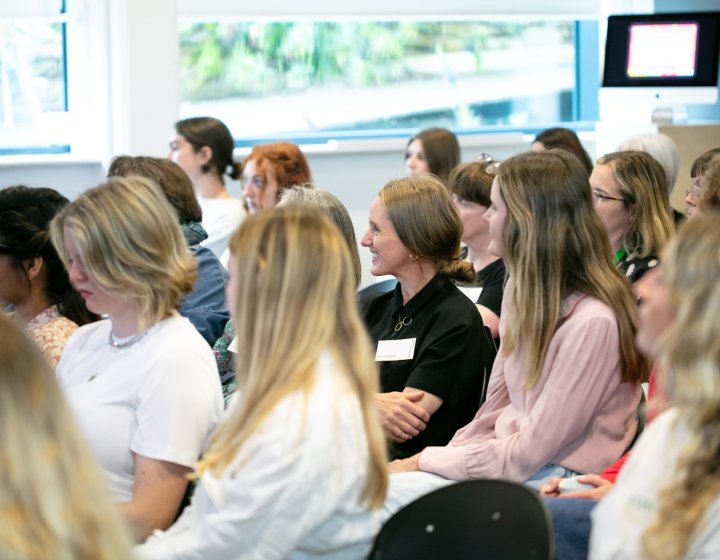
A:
{"x":203,"y":147}
{"x":430,"y":341}
{"x":32,"y":276}
{"x":565,"y":387}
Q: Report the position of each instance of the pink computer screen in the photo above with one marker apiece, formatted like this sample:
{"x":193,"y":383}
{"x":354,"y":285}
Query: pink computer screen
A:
{"x":659,"y":50}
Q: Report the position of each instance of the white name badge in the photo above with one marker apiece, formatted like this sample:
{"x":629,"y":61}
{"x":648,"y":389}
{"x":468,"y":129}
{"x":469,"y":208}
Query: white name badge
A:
{"x":395,"y":350}
{"x":472,"y":293}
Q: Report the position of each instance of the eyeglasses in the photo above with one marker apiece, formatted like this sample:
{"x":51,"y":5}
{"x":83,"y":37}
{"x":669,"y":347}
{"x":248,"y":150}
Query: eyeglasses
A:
{"x":600,"y":196}
{"x":694,"y":192}
{"x":5,"y":249}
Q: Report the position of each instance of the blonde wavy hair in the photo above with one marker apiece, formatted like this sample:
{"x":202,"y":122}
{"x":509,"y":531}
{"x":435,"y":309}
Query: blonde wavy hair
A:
{"x":642,"y":184}
{"x":691,"y":269}
{"x":53,"y":500}
{"x":555,"y":244}
{"x":131,"y":244}
{"x":296,"y":299}
{"x":426,"y":221}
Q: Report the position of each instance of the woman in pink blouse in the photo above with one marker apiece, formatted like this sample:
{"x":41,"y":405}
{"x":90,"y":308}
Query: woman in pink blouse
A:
{"x":32,"y":277}
{"x":565,"y":388}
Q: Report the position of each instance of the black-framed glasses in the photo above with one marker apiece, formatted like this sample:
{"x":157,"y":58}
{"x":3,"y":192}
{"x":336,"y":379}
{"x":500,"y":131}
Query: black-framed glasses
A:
{"x":601,"y":196}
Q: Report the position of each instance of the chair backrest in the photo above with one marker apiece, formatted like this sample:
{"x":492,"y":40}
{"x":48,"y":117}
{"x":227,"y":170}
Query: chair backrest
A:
{"x":493,"y":519}
{"x":376,"y":288}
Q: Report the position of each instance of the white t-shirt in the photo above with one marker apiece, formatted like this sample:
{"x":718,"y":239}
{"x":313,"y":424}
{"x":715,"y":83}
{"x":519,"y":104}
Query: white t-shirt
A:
{"x":294,"y":490}
{"x":159,"y":398}
{"x":221,"y":217}
{"x":620,"y":518}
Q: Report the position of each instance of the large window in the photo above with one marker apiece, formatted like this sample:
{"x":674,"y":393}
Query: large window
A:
{"x":318,"y":80}
{"x":33,"y":92}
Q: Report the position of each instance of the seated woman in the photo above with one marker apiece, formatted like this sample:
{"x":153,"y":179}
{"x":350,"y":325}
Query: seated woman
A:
{"x":142,"y":384}
{"x":632,"y":202}
{"x":564,"y":390}
{"x":32,"y":276}
{"x":470,"y":184}
{"x":433,"y":150}
{"x":203,"y":147}
{"x":53,"y":501}
{"x":205,"y":304}
{"x":704,"y":193}
{"x":268,"y":170}
{"x":297,"y":468}
{"x":430,"y":342}
{"x":563,"y":139}
{"x":666,"y":502}
{"x":329,"y":205}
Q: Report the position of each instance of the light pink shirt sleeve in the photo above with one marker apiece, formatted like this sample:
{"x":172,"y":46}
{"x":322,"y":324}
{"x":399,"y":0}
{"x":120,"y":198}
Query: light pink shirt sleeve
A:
{"x":578,"y":415}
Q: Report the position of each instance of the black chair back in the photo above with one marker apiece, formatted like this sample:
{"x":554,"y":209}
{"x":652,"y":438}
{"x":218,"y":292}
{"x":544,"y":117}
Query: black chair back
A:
{"x":492,"y":519}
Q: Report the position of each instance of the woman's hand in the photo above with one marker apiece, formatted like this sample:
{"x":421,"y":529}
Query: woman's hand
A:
{"x":401,"y":418}
{"x":405,"y":465}
{"x":600,"y":485}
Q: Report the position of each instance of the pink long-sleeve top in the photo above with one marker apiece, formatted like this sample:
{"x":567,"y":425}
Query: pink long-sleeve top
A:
{"x":579,"y":414}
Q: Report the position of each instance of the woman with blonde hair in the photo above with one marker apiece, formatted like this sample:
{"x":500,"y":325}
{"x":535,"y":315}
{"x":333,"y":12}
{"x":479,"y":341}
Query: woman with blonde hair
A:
{"x":633,"y":204}
{"x":143,"y":383}
{"x":564,"y":389}
{"x":429,"y":338}
{"x":666,"y":502}
{"x":297,"y":468}
{"x":53,"y":501}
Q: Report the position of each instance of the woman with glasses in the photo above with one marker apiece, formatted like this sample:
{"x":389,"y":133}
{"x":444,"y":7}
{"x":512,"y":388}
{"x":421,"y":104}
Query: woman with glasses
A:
{"x":564,"y":390}
{"x":698,"y":168}
{"x":32,"y":277}
{"x":433,"y":150}
{"x":470,"y":184}
{"x":268,"y":170}
{"x":631,"y":199}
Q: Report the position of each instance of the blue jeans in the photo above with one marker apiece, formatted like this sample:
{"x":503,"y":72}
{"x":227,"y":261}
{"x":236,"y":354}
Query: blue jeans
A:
{"x":546,"y":473}
{"x":571,"y":525}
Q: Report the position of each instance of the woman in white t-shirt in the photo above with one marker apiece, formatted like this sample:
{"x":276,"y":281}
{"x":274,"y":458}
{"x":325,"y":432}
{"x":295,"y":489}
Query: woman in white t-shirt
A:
{"x":143,"y":383}
{"x":666,"y":501}
{"x":203,"y":147}
{"x":297,"y":468}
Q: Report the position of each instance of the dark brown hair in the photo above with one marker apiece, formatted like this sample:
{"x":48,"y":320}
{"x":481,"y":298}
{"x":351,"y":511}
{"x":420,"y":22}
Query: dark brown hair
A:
{"x":210,"y":132}
{"x":441,"y":149}
{"x":565,"y":139}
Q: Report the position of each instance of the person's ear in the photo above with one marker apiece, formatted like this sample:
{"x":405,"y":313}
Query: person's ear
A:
{"x":33,"y":266}
{"x":205,"y":154}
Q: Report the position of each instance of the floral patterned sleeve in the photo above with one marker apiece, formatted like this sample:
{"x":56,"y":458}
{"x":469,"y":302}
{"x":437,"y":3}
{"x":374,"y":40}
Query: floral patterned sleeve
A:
{"x":223,"y":357}
{"x":51,"y":331}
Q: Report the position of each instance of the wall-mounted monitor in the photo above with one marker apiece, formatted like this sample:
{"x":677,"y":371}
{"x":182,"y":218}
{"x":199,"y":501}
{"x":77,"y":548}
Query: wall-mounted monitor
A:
{"x":673,"y":57}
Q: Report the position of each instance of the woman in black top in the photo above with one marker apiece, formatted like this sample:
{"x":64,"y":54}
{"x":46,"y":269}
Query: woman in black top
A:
{"x":430,"y":342}
{"x":470,"y":184}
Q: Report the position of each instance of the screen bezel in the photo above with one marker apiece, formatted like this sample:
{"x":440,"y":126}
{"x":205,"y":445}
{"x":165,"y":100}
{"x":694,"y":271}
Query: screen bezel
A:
{"x":617,"y":45}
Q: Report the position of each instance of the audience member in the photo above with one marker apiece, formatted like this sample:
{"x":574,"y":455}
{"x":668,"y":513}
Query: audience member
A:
{"x":564,"y":390}
{"x":433,"y":150}
{"x":53,"y":502}
{"x":297,"y":468}
{"x":32,"y":276}
{"x":697,"y":170}
{"x":666,"y":503}
{"x":563,"y":139}
{"x":430,"y":341}
{"x":143,"y":384}
{"x":205,"y":304}
{"x":203,"y":147}
{"x":663,"y":149}
{"x":269,"y":170}
{"x":470,"y":184}
{"x":633,"y":204}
